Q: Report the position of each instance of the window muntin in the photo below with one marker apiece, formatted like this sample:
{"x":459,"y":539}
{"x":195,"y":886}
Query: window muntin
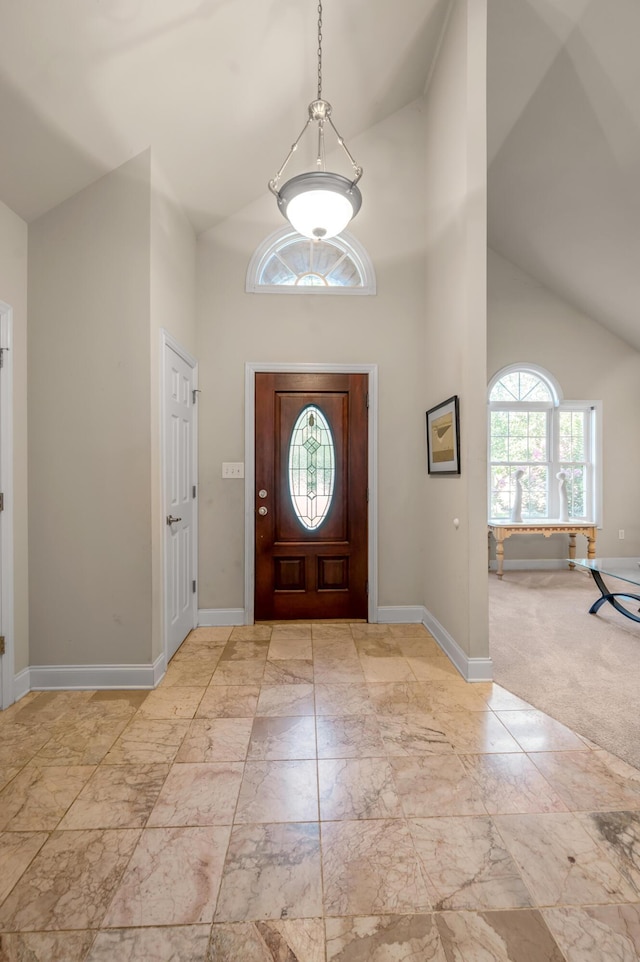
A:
{"x":535,"y":491}
{"x":521,"y":386}
{"x":531,"y":428}
{"x":288,"y":263}
{"x":276,"y":272}
{"x":519,"y":435}
{"x":311,"y":280}
{"x":312,"y":468}
{"x":573,"y":441}
{"x":311,"y":262}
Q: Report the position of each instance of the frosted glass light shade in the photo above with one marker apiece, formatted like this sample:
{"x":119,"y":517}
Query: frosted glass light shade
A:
{"x":319,"y":204}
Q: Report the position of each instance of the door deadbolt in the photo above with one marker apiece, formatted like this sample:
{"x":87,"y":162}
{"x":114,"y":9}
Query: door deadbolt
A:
{"x":262,"y":493}
{"x":263,"y":511}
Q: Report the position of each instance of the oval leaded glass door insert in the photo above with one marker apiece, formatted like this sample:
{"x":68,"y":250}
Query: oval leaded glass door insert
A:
{"x":312,"y":468}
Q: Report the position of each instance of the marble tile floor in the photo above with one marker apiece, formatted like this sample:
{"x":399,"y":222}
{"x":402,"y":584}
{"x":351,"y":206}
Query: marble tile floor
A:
{"x":312,"y":793}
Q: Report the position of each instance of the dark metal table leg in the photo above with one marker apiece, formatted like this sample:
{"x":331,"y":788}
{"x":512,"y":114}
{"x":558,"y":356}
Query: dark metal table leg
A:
{"x":611,"y":598}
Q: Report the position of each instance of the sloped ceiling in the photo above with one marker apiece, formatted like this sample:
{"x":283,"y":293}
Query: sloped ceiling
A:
{"x":218,"y":88}
{"x":564,"y":150}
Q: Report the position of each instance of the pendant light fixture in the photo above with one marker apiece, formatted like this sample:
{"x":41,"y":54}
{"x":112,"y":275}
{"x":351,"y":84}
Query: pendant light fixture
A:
{"x":318,"y":204}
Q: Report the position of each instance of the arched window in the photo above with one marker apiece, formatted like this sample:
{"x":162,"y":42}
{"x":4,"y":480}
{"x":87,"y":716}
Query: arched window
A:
{"x":524,"y":384}
{"x":286,"y":263}
{"x":535,"y":432}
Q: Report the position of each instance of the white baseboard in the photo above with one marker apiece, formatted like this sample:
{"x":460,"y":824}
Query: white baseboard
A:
{"x":79,"y":677}
{"x":159,"y":669}
{"x":531,"y":564}
{"x":21,"y":684}
{"x":220,"y":617}
{"x":401,"y":615}
{"x":97,"y":677}
{"x":471,"y":669}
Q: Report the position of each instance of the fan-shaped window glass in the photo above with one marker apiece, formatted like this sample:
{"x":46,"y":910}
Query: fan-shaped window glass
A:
{"x":521,"y":386}
{"x":287,"y":263}
{"x":312,"y":468}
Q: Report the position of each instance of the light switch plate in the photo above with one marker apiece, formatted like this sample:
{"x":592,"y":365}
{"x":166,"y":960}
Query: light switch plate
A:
{"x":233,"y":469}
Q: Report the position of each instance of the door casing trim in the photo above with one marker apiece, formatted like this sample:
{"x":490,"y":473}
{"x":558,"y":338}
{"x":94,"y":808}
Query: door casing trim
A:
{"x":251,"y":369}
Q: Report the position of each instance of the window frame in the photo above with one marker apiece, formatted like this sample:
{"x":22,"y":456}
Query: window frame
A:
{"x":553,"y":408}
{"x":345,"y":243}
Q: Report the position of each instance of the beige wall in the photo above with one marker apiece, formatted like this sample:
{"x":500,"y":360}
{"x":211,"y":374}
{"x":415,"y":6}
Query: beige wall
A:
{"x":13,"y":291}
{"x":89,"y":417}
{"x":172,"y":308}
{"x":173,"y":264}
{"x":455,"y":568}
{"x":388,"y":329}
{"x":527,"y":322}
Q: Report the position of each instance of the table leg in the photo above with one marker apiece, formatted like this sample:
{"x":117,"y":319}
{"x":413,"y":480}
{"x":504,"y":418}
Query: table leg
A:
{"x":591,"y":546}
{"x":499,"y":557}
{"x":612,"y":598}
{"x":572,"y":548}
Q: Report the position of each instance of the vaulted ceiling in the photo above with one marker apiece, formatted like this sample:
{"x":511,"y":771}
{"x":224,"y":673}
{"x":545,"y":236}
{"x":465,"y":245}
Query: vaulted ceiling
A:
{"x":564,"y":150}
{"x":219,"y":88}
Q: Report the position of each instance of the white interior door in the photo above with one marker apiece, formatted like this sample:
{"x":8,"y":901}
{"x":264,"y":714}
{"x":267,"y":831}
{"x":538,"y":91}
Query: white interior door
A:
{"x":7,"y":660}
{"x":179,"y":498}
{"x":6,"y":675}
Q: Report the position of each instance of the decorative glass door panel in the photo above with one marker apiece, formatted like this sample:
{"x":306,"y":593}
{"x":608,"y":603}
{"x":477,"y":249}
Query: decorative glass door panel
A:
{"x":311,"y":468}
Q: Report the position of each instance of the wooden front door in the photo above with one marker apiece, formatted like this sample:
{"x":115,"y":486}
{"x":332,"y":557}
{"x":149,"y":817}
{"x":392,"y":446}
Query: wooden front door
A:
{"x":311,"y":496}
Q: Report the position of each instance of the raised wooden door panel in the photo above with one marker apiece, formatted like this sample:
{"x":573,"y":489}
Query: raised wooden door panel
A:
{"x":319,"y":572}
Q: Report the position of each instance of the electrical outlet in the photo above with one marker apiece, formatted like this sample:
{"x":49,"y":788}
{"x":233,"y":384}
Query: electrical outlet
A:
{"x":621,"y":534}
{"x":232,"y":469}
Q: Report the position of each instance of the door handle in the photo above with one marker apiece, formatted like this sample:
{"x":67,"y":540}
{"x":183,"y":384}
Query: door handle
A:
{"x":262,"y":511}
{"x":172,"y":520}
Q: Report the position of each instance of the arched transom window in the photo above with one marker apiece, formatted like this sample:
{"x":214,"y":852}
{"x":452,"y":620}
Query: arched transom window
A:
{"x":288,"y":263}
{"x":523,"y":386}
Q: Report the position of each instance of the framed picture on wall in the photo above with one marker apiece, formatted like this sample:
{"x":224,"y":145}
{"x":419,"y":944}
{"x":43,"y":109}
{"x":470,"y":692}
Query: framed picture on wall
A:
{"x":443,"y":437}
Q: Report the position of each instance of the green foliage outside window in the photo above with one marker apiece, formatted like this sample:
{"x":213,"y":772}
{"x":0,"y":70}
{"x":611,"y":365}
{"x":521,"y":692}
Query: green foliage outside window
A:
{"x":531,"y":432}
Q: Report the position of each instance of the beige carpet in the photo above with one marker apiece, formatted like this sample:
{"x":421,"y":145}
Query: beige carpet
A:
{"x":582,"y":669}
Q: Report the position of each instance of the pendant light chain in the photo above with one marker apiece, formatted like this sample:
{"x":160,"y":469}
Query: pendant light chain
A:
{"x":318,"y":204}
{"x":320,"y":50}
{"x":320,"y":156}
